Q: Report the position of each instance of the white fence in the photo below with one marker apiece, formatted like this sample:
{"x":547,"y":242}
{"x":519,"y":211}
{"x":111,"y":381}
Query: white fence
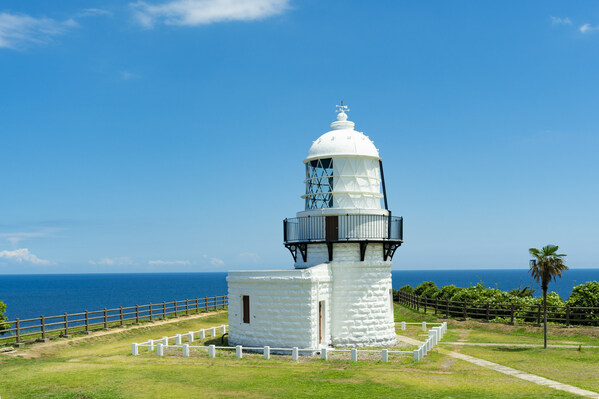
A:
{"x":159,"y":345}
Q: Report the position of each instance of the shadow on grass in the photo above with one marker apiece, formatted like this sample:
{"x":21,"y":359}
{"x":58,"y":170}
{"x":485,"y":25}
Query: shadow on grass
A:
{"x":223,"y":340}
{"x":508,"y":349}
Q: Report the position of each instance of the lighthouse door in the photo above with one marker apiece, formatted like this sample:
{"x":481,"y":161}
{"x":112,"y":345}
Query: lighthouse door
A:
{"x":332,"y":226}
{"x":320,"y":321}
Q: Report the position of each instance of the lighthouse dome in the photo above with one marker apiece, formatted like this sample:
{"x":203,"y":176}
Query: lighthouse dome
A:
{"x":342,"y":140}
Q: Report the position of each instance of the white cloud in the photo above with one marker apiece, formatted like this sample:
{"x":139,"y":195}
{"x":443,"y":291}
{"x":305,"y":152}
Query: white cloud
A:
{"x":17,"y":237}
{"x":126,"y":75}
{"x":561,"y":21}
{"x":216,"y":262}
{"x":123,"y":260}
{"x":23,"y":255}
{"x":168,"y":262}
{"x":202,"y":12}
{"x":94,"y":12}
{"x":586,"y":28}
{"x":249,"y":256}
{"x":19,"y":30}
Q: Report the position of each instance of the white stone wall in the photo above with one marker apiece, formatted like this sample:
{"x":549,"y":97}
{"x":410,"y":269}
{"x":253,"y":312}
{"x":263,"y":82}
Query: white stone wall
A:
{"x":361,"y":304}
{"x":283,"y":307}
{"x":317,"y":254}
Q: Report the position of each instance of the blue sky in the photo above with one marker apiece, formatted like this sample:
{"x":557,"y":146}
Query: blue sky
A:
{"x":169,"y":135}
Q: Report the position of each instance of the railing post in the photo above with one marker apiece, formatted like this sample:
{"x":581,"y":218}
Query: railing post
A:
{"x":163,"y":310}
{"x":66,"y":324}
{"x":105,"y":319}
{"x":150,"y":305}
{"x":465,"y":311}
{"x":121,"y":315}
{"x":487,"y":313}
{"x":417,"y":303}
{"x":197,"y":307}
{"x":43,"y":325}
{"x":18,"y":332}
{"x":206,"y":304}
{"x":87,"y":322}
{"x":175,"y":301}
{"x":425,"y":300}
{"x":567,"y":316}
{"x":436,"y":305}
{"x":186,"y":307}
{"x":447,"y":308}
{"x":137,"y":314}
{"x":512,"y":314}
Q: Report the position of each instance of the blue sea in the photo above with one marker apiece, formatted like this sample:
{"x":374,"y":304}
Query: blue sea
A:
{"x":28,"y":296}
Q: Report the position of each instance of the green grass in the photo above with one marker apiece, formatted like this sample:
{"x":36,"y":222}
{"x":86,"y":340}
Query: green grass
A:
{"x":102,"y":367}
{"x":578,"y":368}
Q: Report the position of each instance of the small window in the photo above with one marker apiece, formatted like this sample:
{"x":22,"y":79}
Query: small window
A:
{"x":246,"y":308}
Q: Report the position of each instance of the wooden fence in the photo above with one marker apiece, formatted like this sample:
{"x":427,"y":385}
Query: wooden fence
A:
{"x":510,"y":312}
{"x":28,"y":330}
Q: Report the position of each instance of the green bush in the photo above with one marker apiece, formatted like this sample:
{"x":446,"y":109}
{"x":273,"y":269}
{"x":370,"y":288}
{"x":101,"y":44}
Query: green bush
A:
{"x":447,"y":292}
{"x":407,"y":288}
{"x":426,"y":289}
{"x":3,"y":325}
{"x":585,"y":295}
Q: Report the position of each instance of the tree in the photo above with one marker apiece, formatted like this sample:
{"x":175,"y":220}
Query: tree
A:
{"x":546,"y":266}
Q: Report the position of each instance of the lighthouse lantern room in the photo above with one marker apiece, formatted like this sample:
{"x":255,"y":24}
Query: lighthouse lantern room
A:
{"x":342,"y":243}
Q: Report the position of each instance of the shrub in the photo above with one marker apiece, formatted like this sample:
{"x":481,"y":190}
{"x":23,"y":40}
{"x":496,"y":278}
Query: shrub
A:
{"x":447,"y":292}
{"x":585,"y":295}
{"x":407,"y":288}
{"x":426,"y":289}
{"x":3,"y":325}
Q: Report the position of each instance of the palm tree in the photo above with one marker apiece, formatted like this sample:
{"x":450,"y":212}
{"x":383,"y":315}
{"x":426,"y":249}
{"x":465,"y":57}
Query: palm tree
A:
{"x":546,"y":266}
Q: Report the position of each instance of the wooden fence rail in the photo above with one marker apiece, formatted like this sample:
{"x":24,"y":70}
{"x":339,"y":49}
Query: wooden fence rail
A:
{"x":65,"y":324}
{"x":510,"y":312}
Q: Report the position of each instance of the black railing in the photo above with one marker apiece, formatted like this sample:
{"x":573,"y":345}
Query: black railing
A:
{"x":343,"y":228}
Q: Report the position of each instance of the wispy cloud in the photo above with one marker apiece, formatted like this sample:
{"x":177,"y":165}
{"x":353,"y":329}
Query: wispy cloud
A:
{"x":168,"y":262}
{"x":23,"y":255}
{"x":94,"y":12}
{"x":16,"y":237}
{"x":202,"y":12}
{"x":126,"y":75}
{"x":587,"y":28}
{"x":123,"y":260}
{"x":18,"y":31}
{"x":216,"y":262}
{"x":561,"y":21}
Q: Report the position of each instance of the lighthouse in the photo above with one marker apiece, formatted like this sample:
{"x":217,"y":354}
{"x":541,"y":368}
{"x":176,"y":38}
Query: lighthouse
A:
{"x":342,"y":243}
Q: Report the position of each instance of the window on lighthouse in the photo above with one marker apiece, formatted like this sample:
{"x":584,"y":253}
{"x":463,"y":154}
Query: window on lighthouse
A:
{"x":319,"y":183}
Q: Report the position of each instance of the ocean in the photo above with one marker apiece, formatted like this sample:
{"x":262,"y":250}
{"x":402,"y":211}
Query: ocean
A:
{"x":28,"y":296}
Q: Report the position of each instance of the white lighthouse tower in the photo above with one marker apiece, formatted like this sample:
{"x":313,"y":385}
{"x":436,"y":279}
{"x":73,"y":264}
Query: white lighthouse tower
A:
{"x":342,"y":243}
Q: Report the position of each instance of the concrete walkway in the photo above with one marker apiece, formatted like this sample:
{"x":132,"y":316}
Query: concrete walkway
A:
{"x":519,"y":345}
{"x":510,"y":371}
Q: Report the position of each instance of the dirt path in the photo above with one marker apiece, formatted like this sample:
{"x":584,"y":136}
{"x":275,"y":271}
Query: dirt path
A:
{"x":510,"y":371}
{"x":36,"y":349}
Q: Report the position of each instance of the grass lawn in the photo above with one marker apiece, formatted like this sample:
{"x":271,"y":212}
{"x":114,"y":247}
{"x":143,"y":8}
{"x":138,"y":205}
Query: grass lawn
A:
{"x":102,"y":367}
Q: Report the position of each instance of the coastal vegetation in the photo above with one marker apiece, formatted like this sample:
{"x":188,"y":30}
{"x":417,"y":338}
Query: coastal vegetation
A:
{"x":3,"y":319}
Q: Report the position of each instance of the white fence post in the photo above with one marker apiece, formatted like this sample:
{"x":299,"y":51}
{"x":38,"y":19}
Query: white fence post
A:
{"x":178,"y":339}
{"x":165,"y":341}
{"x":213,"y":332}
{"x":323,"y":354}
{"x":186,"y":350}
{"x":151,"y":348}
{"x":190,"y":336}
{"x":202,"y":334}
{"x":403,"y":326}
{"x":354,"y":355}
{"x":134,"y":350}
{"x":294,"y":353}
{"x":267,"y":352}
{"x":424,"y":326}
{"x":160,"y":350}
{"x":416,"y":355}
{"x":239,"y":351}
{"x":212,"y":350}
{"x":385,"y":355}
{"x":223,"y":329}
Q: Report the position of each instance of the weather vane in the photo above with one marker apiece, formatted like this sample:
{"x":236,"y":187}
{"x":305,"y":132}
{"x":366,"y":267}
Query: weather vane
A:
{"x":342,"y":108}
